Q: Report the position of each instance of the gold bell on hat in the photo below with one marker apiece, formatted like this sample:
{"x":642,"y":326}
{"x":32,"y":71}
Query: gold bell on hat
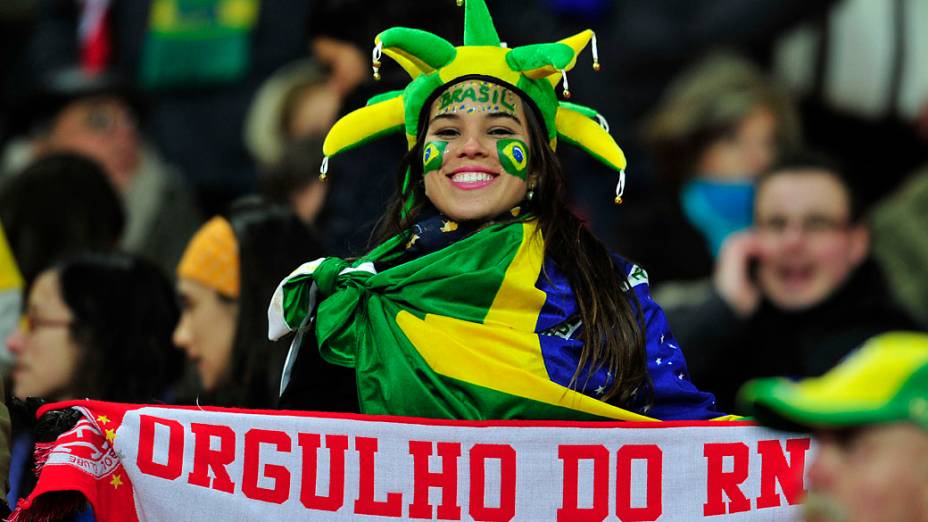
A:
{"x":620,"y":188}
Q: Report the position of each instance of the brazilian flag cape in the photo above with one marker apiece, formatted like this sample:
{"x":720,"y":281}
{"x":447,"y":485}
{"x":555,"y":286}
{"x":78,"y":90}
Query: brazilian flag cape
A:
{"x":453,"y":333}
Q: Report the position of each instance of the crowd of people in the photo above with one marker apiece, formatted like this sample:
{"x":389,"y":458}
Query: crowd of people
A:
{"x":160,"y":188}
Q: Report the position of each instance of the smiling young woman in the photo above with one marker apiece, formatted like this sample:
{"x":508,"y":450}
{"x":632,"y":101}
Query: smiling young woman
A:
{"x":486,"y":297}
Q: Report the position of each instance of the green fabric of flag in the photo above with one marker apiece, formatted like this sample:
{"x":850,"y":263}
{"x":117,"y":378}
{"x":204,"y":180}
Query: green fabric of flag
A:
{"x":450,"y":334}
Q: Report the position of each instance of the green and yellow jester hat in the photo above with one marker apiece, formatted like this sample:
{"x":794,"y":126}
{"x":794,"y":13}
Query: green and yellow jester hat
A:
{"x":533,"y":71}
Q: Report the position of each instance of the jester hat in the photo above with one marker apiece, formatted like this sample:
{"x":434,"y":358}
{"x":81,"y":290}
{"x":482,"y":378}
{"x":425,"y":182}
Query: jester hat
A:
{"x":433,"y":63}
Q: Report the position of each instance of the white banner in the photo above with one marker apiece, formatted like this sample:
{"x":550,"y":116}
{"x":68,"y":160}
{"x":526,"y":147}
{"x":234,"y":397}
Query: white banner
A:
{"x":189,"y":464}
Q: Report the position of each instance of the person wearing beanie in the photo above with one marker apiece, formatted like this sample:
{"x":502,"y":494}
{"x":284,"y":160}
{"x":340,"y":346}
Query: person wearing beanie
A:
{"x":227,"y":273}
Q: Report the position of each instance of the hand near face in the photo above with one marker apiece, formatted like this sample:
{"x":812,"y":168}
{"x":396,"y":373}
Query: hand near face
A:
{"x":733,"y":278}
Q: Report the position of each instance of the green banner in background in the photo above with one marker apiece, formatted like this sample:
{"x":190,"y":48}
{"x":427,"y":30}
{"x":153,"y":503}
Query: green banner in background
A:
{"x":197,"y":42}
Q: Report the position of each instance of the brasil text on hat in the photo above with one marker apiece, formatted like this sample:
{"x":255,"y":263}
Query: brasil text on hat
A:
{"x":886,"y":380}
{"x":433,"y":63}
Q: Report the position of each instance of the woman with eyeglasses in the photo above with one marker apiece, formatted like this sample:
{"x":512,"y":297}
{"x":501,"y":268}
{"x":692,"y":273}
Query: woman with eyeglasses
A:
{"x":97,"y":326}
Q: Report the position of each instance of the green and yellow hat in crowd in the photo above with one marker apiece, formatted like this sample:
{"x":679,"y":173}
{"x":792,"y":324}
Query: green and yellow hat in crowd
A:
{"x":885,"y":381}
{"x":433,"y":63}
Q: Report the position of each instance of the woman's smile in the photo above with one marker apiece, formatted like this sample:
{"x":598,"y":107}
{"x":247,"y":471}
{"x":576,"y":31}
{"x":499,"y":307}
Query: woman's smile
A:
{"x":472,"y":177}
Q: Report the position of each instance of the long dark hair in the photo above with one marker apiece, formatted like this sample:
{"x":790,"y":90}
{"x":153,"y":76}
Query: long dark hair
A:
{"x":125,"y":311}
{"x":272,"y":242}
{"x":59,"y":206}
{"x":611,"y":314}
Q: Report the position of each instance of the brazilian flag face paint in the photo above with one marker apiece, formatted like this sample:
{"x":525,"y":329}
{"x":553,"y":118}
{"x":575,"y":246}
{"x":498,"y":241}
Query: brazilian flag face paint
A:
{"x":513,"y":155}
{"x":433,"y":155}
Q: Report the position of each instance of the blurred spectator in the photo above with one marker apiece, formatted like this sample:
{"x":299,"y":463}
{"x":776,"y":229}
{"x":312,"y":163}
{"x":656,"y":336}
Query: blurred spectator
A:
{"x":284,"y":130}
{"x":862,"y":71}
{"x":900,"y":243}
{"x":643,"y":46}
{"x":201,"y":62}
{"x":57,"y":207}
{"x":60,"y":205}
{"x":294,"y":181}
{"x":226,"y":279}
{"x":719,"y":125}
{"x":342,"y":35}
{"x":795,"y":294}
{"x":296,"y":102}
{"x":96,"y":115}
{"x":870,"y":418}
{"x":97,"y":327}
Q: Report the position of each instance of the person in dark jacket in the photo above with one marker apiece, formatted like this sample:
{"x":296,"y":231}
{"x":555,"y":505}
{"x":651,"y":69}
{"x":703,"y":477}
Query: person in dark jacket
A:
{"x":795,"y":294}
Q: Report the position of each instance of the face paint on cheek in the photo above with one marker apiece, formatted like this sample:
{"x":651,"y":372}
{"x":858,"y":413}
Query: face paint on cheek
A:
{"x":513,"y":156}
{"x":433,"y":155}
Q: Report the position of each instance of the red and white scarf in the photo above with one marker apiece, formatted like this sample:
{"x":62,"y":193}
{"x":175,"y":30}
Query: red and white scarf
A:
{"x":146,"y":462}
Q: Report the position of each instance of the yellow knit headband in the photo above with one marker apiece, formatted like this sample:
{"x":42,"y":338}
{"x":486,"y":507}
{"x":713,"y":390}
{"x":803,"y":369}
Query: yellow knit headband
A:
{"x":211,"y":258}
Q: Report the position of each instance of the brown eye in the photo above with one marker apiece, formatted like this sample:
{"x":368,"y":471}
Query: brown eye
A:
{"x":501,"y":131}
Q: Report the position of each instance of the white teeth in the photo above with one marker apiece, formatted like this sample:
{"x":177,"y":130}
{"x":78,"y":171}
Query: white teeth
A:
{"x":471,"y":177}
